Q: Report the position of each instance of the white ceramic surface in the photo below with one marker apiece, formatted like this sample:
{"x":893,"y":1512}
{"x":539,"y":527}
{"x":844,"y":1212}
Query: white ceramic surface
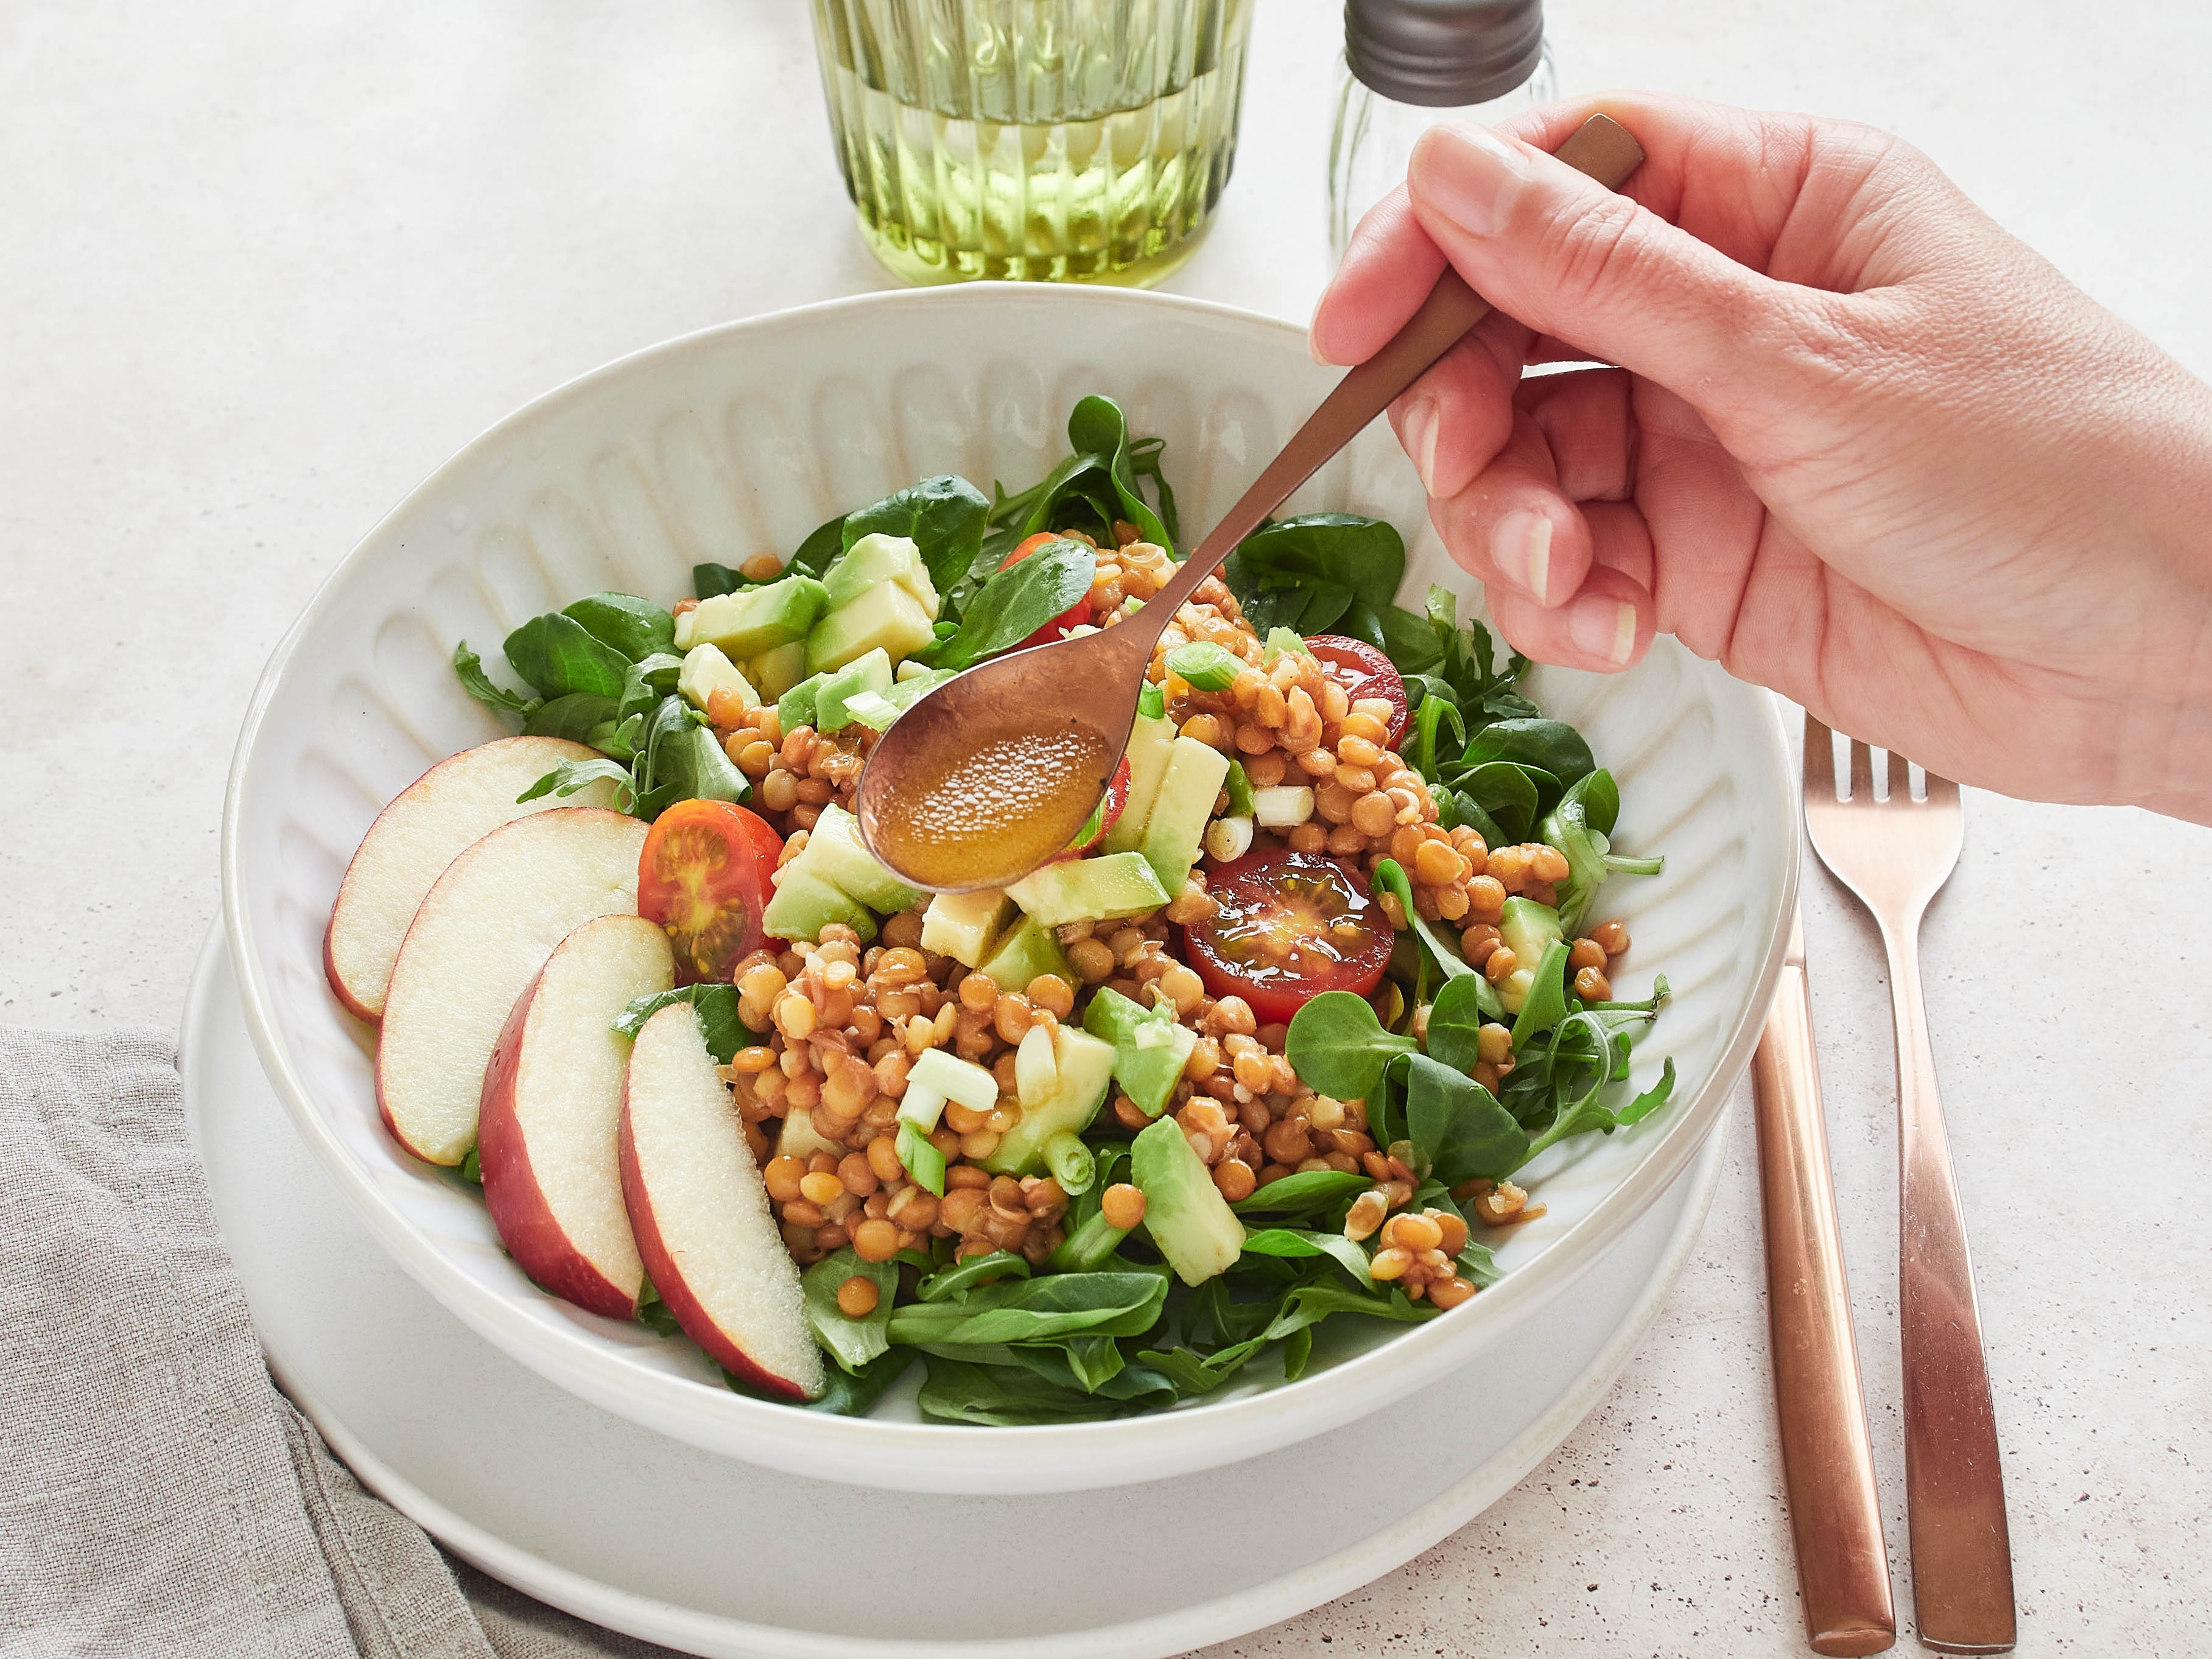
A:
{"x":742,"y":439}
{"x":638,"y":1532}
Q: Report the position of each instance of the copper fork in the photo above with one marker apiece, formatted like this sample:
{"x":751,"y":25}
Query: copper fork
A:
{"x":1894,"y":855}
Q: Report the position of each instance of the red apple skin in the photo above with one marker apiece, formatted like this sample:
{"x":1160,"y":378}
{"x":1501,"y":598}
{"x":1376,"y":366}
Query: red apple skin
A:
{"x":667,"y":1279}
{"x":517,"y":1205}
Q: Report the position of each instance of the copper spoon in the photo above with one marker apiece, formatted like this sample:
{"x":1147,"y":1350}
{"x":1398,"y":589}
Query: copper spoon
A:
{"x":1087,"y":686}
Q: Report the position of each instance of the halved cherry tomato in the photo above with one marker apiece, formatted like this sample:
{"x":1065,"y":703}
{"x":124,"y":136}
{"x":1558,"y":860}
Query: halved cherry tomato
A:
{"x":1287,"y":927}
{"x":703,"y":876}
{"x":1364,"y":671}
{"x":1074,"y":617}
{"x":1103,"y":816}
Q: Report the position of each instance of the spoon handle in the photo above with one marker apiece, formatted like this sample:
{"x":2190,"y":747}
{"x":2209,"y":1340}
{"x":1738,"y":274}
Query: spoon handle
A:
{"x":1601,"y":148}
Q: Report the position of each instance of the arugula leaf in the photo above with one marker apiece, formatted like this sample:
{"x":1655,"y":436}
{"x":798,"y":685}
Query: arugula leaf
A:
{"x":1122,"y":1303}
{"x":717,"y":1008}
{"x":851,"y":1342}
{"x":976,"y":1270}
{"x":566,"y":779}
{"x":652,"y":1313}
{"x":636,"y":628}
{"x":1304,"y":574}
{"x":1298,"y":1242}
{"x":468,"y":668}
{"x":1017,"y":601}
{"x":1337,"y":1045}
{"x":1309,"y":1192}
{"x":574,"y":717}
{"x":944,"y":518}
{"x":1651,"y":1099}
{"x":557,"y":655}
{"x":960,"y":1391}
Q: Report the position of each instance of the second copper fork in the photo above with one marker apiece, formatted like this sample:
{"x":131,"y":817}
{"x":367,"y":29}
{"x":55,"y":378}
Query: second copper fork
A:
{"x":1894,"y":854}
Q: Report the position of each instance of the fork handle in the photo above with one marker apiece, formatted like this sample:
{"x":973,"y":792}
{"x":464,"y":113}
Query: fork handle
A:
{"x":1835,"y":1514}
{"x":1953,"y":1484}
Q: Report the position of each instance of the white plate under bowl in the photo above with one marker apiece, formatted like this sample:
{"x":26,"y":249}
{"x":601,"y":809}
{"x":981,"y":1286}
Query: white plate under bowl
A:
{"x":742,"y":439}
{"x":639,"y":1533}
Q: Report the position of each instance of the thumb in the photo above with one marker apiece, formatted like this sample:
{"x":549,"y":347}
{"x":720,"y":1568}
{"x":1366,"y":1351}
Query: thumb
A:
{"x":1554,"y":249}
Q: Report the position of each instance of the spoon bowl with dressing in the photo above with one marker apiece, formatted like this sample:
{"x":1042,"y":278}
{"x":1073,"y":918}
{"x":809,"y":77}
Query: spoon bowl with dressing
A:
{"x":994,"y":772}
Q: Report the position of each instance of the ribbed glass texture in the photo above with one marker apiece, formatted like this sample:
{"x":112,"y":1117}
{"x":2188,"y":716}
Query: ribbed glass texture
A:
{"x":1056,"y":140}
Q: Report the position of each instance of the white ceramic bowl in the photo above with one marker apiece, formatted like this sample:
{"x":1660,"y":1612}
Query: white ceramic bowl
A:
{"x":742,"y":439}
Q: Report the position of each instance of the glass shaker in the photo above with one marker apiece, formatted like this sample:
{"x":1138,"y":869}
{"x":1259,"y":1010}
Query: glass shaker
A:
{"x":1408,"y":64}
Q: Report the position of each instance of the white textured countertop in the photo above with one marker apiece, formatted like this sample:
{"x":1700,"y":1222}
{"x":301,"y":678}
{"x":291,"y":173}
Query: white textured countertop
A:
{"x":262,"y":267}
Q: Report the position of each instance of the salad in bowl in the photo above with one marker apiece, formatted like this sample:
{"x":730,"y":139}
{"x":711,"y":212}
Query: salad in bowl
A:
{"x":1266,"y":1045}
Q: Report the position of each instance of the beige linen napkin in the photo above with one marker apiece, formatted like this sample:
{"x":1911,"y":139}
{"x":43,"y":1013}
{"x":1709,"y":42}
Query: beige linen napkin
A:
{"x":157,"y":1495}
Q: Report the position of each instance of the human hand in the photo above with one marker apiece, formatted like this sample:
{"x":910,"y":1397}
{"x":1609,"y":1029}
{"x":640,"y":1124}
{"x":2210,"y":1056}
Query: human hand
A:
{"x":1862,"y":445}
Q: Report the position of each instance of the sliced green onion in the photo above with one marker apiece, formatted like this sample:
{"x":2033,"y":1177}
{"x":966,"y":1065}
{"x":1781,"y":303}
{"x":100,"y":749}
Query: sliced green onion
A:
{"x":1208,"y":666}
{"x":1240,"y":791}
{"x":1280,"y":641}
{"x":922,"y":1161}
{"x":1089,"y":1246}
{"x":1151,"y":701}
{"x":1070,"y":1162}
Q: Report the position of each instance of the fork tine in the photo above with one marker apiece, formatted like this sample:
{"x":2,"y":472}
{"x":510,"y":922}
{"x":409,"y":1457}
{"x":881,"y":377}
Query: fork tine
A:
{"x":1861,"y":773}
{"x":1819,"y":761}
{"x":1942,"y":792}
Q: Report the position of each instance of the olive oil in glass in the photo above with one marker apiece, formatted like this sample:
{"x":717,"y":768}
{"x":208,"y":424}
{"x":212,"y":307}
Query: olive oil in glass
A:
{"x":1051,"y":140}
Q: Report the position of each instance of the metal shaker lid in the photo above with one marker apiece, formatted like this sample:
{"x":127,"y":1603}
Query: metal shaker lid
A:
{"x":1439,"y":53}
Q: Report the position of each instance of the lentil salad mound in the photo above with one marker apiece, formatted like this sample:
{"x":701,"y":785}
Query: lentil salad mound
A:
{"x":1267,"y":1043}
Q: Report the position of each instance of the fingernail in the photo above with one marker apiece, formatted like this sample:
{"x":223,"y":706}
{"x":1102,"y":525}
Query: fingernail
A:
{"x":1521,"y":545}
{"x":1469,"y":174}
{"x":1420,"y":440}
{"x":1604,"y":628}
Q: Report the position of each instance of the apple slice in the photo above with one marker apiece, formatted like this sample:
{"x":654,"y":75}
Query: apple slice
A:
{"x":455,"y":804}
{"x":479,"y":938}
{"x":552,"y":1109}
{"x":700,"y":1213}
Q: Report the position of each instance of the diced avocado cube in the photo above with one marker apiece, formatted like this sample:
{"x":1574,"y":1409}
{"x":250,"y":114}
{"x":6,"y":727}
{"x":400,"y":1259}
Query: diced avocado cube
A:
{"x":1150,"y":1048}
{"x":1184,"y":1211}
{"x":965,"y":925}
{"x":835,"y":854}
{"x":776,"y":671}
{"x":1084,"y":1073}
{"x":886,"y":617}
{"x":1090,"y":890}
{"x":804,"y":904}
{"x":880,"y":558}
{"x":1026,"y":951}
{"x":795,"y":707}
{"x":754,"y":621}
{"x":707,"y":670}
{"x":1177,"y":822}
{"x":1150,"y":741}
{"x":870,"y":672}
{"x":914,"y":671}
{"x":1525,"y":929}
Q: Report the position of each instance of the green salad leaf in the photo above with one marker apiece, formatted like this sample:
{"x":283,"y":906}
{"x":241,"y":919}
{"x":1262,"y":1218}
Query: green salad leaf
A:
{"x":1308,"y":1191}
{"x":1456,"y":1125}
{"x":717,"y":1005}
{"x":637,"y":627}
{"x":852,"y":1343}
{"x":1337,"y":1045}
{"x":1014,"y":602}
{"x":557,"y":655}
{"x":468,"y":667}
{"x":1308,"y":573}
{"x":1091,"y":490}
{"x":575,"y":716}
{"x":569,"y":776}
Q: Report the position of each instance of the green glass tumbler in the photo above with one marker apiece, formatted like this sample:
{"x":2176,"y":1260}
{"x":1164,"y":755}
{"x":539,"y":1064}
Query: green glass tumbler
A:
{"x":1033,"y":140}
